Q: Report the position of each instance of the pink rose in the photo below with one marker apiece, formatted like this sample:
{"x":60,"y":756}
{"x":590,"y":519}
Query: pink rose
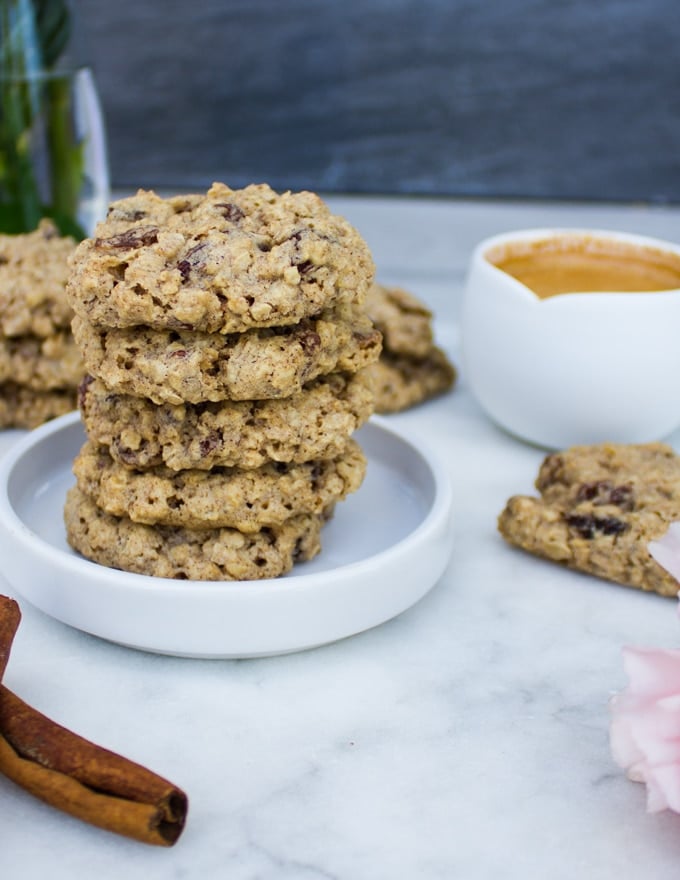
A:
{"x":645,"y":725}
{"x":666,"y":551}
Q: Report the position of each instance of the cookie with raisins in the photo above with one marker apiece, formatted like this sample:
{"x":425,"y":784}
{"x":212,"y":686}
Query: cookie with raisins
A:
{"x":215,"y":554}
{"x":244,"y":499}
{"x":33,"y":273}
{"x":22,"y":407}
{"x":224,"y":261}
{"x":313,"y":424}
{"x":599,"y":507}
{"x":183,"y":366}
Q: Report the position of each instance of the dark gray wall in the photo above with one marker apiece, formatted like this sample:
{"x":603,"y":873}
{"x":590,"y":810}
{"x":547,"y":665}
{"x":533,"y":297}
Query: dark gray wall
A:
{"x":538,"y":98}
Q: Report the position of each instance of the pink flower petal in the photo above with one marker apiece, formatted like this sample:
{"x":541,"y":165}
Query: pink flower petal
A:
{"x":653,"y":672}
{"x":663,"y":784}
{"x":666,"y":550}
{"x":645,"y":724}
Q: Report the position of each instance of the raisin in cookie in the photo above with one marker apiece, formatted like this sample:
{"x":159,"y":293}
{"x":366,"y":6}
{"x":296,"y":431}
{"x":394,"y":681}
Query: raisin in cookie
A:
{"x":33,"y":273}
{"x":599,"y":507}
{"x":411,"y":368}
{"x":190,"y":554}
{"x":221,"y":262}
{"x":22,"y":407}
{"x":312,"y":424}
{"x":178,"y":366}
{"x":247,"y":500}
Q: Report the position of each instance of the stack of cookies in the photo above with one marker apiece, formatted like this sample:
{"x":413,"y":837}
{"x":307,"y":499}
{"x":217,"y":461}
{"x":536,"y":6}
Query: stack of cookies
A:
{"x":226,"y":341}
{"x":40,"y":365}
{"x":412,"y":368}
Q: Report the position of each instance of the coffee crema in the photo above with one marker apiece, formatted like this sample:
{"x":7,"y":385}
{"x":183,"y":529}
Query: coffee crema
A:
{"x":578,"y":264}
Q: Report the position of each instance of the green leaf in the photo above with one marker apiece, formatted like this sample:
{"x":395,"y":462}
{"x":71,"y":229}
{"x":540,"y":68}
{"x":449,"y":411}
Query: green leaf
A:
{"x":11,"y":219}
{"x":53,"y":20}
{"x":66,"y":225}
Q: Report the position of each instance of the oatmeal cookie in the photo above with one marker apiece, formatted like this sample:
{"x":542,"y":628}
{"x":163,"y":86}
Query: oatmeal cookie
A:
{"x":411,"y":368}
{"x":400,"y":382}
{"x":246,"y":500}
{"x":192,"y":554}
{"x":41,"y":364}
{"x":221,"y":262}
{"x":599,"y":506}
{"x":24,"y":408}
{"x":404,"y":321}
{"x":313,"y":424}
{"x":178,"y":366}
{"x":33,"y":273}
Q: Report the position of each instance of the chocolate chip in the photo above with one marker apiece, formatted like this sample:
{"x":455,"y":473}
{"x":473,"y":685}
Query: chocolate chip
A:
{"x":140,"y":236}
{"x":305,"y":267}
{"x":179,"y":353}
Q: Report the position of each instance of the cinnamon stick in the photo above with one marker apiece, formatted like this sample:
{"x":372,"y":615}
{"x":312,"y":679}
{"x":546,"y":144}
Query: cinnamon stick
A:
{"x":10,"y":615}
{"x":75,"y":775}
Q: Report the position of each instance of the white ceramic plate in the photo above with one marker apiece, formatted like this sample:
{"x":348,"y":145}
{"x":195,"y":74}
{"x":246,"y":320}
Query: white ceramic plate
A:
{"x":386,"y":546}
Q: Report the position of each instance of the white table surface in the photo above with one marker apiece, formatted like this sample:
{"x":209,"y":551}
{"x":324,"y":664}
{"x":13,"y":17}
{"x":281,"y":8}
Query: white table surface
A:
{"x":468,"y":738}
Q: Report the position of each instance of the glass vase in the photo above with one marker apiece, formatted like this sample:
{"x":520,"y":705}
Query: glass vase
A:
{"x":53,"y":155}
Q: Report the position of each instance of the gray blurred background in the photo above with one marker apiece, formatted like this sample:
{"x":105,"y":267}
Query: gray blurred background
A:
{"x":559,"y":99}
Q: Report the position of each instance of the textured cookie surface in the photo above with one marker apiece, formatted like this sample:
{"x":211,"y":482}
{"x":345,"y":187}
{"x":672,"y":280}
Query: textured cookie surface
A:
{"x":33,"y":273}
{"x":42,"y":364}
{"x":224,"y":261}
{"x":400,"y":382}
{"x":177,"y":366}
{"x":24,"y":408}
{"x":313,"y":424}
{"x":246,"y":500}
{"x":411,"y":368}
{"x":404,"y":321}
{"x":599,"y":506}
{"x":188,"y":554}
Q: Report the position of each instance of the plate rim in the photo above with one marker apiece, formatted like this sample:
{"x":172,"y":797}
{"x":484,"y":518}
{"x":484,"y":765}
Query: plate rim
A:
{"x":437,"y":516}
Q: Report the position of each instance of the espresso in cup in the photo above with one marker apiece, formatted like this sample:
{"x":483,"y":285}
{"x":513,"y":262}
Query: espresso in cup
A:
{"x":561,"y":370}
{"x":586,"y":264}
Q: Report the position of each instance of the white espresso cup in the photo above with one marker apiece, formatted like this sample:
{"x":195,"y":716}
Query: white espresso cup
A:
{"x":560,"y":367}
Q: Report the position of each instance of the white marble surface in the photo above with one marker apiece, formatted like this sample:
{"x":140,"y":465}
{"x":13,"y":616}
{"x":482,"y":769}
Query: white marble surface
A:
{"x":465,"y":739}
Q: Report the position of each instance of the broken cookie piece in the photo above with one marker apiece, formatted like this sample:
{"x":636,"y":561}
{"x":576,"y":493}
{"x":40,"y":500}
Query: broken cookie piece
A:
{"x":598,"y":509}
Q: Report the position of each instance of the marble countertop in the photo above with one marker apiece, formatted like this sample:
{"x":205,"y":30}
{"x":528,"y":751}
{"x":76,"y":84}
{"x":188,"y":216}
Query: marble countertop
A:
{"x":467,"y":738}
